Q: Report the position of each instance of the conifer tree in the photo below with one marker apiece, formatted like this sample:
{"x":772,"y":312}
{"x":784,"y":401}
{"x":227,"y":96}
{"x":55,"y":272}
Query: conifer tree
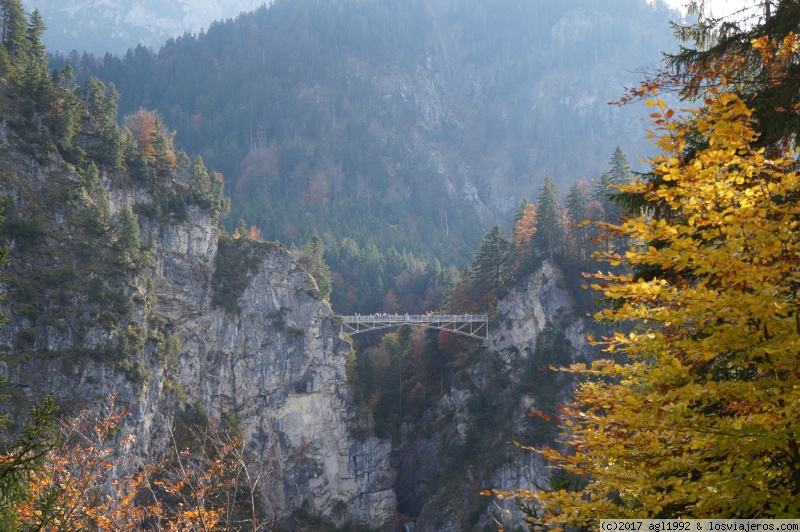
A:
{"x":577,"y":204}
{"x":222,"y":204}
{"x":128,"y":239}
{"x":35,"y":31}
{"x":548,"y":229}
{"x":164,"y":153}
{"x":606,"y":193}
{"x":5,"y":61}
{"x":64,"y":115}
{"x":101,"y":102}
{"x":312,"y":261}
{"x":490,"y":267}
{"x":91,"y":177}
{"x":200,"y":181}
{"x":752,"y":54}
{"x":605,"y":188}
{"x":14,"y":28}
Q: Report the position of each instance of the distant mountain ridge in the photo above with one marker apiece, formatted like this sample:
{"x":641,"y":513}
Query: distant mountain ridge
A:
{"x":414,"y":124}
{"x":100,"y":26}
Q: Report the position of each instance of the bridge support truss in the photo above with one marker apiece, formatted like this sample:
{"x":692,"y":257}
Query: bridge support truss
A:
{"x":472,"y":325}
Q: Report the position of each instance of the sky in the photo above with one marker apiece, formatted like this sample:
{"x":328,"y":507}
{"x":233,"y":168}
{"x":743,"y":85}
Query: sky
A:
{"x":718,"y":7}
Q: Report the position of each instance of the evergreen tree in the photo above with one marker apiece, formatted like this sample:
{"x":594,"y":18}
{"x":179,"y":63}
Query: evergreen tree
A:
{"x":222,"y":204}
{"x":311,"y":260}
{"x":90,"y":177}
{"x":128,"y":240}
{"x":606,"y":193}
{"x":752,"y":55}
{"x":521,"y":210}
{"x":200,"y":181}
{"x":96,"y":100}
{"x":5,"y":61}
{"x":14,"y":28}
{"x":490,"y":268}
{"x":618,"y":173}
{"x":101,"y":102}
{"x":64,"y":119}
{"x":164,"y":155}
{"x":548,"y":228}
{"x":577,"y":203}
{"x":64,"y":78}
{"x":35,"y":31}
{"x":35,"y":86}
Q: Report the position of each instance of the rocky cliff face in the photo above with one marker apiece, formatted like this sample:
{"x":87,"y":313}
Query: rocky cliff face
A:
{"x":280,"y":367}
{"x":540,"y":303}
{"x":468,"y":433}
{"x":90,"y":318}
{"x":184,"y":318}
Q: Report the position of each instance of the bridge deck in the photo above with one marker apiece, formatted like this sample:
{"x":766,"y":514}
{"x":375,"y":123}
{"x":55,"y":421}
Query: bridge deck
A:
{"x":473,"y":325}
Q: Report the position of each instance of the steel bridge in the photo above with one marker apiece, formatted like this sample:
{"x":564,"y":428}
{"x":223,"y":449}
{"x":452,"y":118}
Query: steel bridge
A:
{"x":472,"y":325}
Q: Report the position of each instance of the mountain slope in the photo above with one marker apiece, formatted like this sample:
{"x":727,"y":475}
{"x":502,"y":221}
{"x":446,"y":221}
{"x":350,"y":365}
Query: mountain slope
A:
{"x":100,"y":26}
{"x":121,"y":283}
{"x":412,"y":124}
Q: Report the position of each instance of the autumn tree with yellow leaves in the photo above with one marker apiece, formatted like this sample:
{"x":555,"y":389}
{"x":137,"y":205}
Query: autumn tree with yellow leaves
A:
{"x":694,"y":411}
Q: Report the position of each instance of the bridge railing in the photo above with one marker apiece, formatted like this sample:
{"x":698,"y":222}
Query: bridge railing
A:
{"x":416,"y":318}
{"x":473,"y":325}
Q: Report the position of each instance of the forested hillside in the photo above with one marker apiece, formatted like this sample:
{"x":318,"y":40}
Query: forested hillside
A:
{"x":406,"y":125}
{"x":386,"y":143}
{"x":208,"y":358}
{"x":101,"y":26}
{"x":122,"y":297}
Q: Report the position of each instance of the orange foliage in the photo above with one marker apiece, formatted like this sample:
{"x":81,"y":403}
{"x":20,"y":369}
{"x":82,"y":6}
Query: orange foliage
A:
{"x":143,"y":125}
{"x":91,"y":481}
{"x":466,"y":298}
{"x":254,"y":233}
{"x":525,"y":227}
{"x":76,"y":471}
{"x":152,"y":138}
